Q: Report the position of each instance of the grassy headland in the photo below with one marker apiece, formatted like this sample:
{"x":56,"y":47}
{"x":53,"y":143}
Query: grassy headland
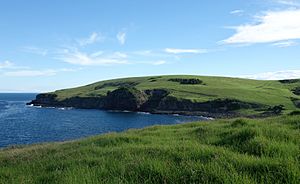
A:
{"x":187,"y":94}
{"x":220,"y":151}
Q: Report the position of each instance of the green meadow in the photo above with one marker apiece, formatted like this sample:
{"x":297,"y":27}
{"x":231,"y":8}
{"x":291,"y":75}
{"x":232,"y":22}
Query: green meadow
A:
{"x":220,"y":151}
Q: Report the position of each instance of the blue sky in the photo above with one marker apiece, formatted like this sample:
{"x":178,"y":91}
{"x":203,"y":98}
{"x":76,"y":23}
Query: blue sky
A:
{"x":49,"y":45}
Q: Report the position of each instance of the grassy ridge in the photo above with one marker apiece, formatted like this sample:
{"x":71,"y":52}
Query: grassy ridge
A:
{"x":222,"y":151}
{"x":268,"y":93}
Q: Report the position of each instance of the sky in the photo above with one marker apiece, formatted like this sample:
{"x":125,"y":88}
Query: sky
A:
{"x":50,"y":45}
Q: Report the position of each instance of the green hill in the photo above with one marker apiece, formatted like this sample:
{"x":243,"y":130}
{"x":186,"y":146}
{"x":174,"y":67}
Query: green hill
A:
{"x":223,"y":151}
{"x":182,"y":94}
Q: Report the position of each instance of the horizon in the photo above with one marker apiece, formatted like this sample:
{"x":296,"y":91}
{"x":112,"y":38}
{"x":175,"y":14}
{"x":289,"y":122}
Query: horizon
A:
{"x":36,"y":92}
{"x":46,"y":46}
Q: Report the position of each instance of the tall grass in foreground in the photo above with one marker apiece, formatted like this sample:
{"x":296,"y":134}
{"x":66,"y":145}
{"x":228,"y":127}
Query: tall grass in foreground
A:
{"x":224,"y":151}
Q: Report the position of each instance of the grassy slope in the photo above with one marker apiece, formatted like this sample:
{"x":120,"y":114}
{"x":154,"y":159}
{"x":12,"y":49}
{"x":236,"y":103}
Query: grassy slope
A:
{"x":262,"y":92}
{"x":223,"y":151}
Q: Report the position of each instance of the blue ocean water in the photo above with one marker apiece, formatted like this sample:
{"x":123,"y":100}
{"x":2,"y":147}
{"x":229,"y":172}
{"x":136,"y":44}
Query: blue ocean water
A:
{"x":21,"y":124}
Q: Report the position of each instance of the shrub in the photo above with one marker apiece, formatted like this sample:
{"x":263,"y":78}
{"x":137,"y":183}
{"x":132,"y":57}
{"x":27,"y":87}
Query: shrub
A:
{"x":186,"y":81}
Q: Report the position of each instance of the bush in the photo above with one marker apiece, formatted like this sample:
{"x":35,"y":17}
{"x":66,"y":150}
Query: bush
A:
{"x":186,"y":81}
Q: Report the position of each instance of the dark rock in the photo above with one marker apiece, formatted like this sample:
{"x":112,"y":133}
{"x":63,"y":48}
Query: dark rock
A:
{"x":44,"y":98}
{"x":125,"y":98}
{"x":214,"y":106}
{"x":154,"y":98}
{"x":49,"y":100}
{"x":84,"y":102}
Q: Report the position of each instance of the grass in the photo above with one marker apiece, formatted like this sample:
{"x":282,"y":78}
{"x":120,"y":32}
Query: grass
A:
{"x":220,"y":151}
{"x":269,"y":93}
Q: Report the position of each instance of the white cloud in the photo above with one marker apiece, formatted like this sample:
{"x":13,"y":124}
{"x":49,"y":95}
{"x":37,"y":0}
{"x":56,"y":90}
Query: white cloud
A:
{"x":160,"y":62}
{"x":6,"y":64}
{"x":185,"y":51}
{"x":158,"y":54}
{"x":121,"y":36}
{"x":143,"y":52}
{"x":30,"y":73}
{"x":285,"y":44}
{"x":278,"y":75}
{"x":35,"y":50}
{"x":37,"y":73}
{"x":97,"y":54}
{"x":289,"y":2}
{"x":93,"y":38}
{"x":273,"y":26}
{"x":239,"y":12}
{"x":98,"y":58}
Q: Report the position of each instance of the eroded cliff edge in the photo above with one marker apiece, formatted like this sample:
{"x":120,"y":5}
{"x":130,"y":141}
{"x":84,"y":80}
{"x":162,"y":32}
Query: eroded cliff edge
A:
{"x":153,"y":101}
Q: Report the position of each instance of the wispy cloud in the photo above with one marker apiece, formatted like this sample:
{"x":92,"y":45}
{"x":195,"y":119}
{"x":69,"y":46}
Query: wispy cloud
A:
{"x":30,"y":73}
{"x":238,"y":12}
{"x":35,"y":50}
{"x":77,"y":57}
{"x":93,"y":38}
{"x":144,"y":52}
{"x":121,"y":36}
{"x":11,"y":66}
{"x":158,"y":54}
{"x":277,"y":75}
{"x":160,"y":62}
{"x":285,"y":44}
{"x":185,"y":51}
{"x":37,"y":73}
{"x":289,"y":2}
{"x":273,"y":26}
{"x":6,"y":64}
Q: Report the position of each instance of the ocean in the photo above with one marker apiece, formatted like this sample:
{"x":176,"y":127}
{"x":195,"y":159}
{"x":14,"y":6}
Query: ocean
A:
{"x":21,"y":124}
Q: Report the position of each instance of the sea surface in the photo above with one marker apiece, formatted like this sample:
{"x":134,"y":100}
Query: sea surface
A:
{"x":21,"y":124}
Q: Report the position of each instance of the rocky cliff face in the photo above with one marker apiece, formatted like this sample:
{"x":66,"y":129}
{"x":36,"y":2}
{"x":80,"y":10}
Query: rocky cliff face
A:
{"x":155,"y":97}
{"x":156,"y":100}
{"x":50,"y":100}
{"x":44,"y":100}
{"x":125,"y":98}
{"x":214,"y":106}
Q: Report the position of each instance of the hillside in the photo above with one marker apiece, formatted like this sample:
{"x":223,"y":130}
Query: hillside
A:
{"x":215,"y":96}
{"x":223,"y":151}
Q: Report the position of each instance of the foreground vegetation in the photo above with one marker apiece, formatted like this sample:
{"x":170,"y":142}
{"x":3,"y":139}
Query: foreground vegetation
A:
{"x":221,"y":151}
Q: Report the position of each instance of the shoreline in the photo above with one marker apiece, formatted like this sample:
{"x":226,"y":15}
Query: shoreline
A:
{"x":206,"y":115}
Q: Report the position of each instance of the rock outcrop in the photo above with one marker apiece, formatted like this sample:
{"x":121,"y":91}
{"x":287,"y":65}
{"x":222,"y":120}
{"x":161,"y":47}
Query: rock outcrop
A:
{"x":125,"y":98}
{"x":50,"y":100}
{"x":215,"y":106}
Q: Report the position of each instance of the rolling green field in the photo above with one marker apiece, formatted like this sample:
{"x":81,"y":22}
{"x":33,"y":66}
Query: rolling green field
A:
{"x":269,"y":93}
{"x":220,"y":151}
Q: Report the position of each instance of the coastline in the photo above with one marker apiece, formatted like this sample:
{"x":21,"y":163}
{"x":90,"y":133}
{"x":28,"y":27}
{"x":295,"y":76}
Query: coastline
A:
{"x":207,"y":115}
